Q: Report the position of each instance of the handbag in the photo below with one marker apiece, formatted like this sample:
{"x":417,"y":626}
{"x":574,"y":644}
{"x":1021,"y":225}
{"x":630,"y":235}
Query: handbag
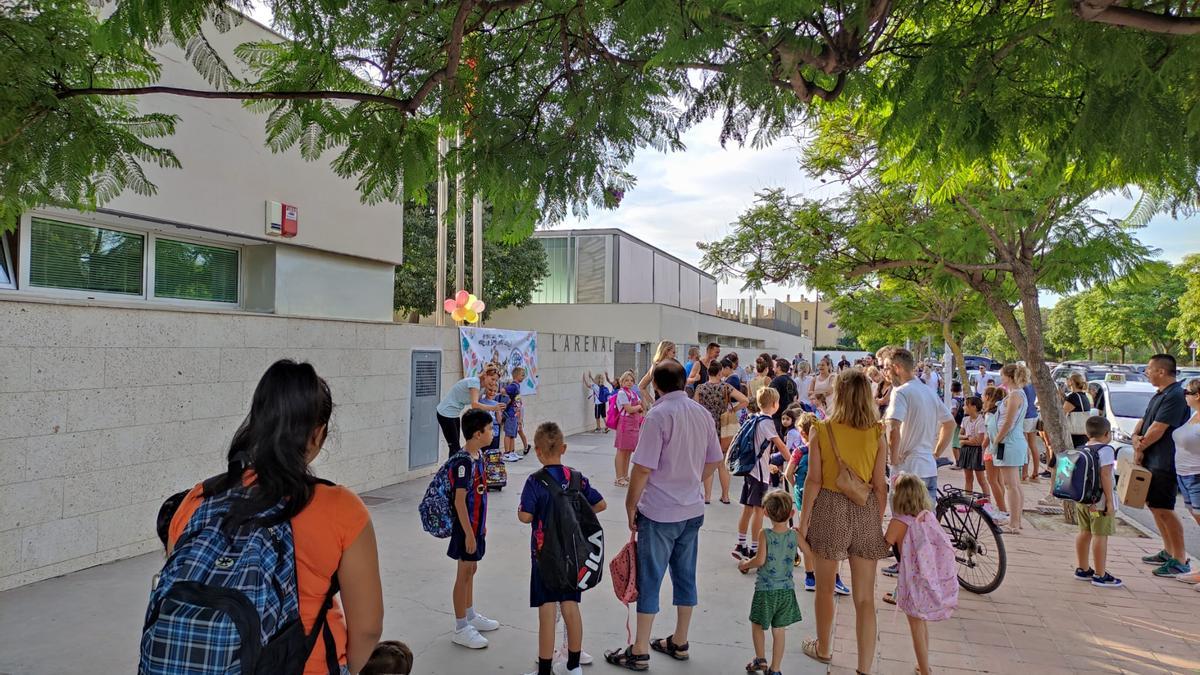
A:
{"x":848,"y":482}
{"x":1077,"y":421}
{"x":729,"y":419}
{"x":622,"y":569}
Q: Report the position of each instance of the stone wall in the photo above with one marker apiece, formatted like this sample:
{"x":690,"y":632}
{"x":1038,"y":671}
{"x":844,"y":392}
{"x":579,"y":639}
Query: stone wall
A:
{"x":107,"y":409}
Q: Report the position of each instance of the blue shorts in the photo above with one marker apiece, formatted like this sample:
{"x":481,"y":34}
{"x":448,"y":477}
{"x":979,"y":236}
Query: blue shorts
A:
{"x":540,"y":595}
{"x":510,"y":427}
{"x":663,"y":546}
{"x":458,"y":546}
{"x":1190,"y":487}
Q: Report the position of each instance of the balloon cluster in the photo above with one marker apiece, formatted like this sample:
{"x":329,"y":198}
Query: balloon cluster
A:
{"x":464,"y":307}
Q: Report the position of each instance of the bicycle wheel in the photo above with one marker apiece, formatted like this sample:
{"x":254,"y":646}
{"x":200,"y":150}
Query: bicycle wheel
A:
{"x":978,"y":545}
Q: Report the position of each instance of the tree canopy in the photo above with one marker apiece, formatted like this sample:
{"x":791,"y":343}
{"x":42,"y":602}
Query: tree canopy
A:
{"x":555,"y":96}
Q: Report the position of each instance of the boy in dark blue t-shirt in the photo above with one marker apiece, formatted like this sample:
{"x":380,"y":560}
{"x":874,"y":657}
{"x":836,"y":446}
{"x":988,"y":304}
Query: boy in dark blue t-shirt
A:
{"x":468,"y":484}
{"x":536,"y":502}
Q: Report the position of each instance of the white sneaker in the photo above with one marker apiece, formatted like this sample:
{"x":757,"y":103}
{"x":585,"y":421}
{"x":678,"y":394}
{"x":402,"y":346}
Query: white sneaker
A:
{"x":998,"y":516}
{"x":483,"y":624}
{"x":560,"y":656}
{"x":470,"y":638}
{"x":560,"y":668}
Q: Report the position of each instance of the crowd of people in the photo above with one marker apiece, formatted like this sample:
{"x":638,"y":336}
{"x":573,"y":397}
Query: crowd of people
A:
{"x":837,"y":446}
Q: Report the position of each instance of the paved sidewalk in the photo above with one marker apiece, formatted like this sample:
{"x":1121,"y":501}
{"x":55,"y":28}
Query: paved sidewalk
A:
{"x":1042,"y":621}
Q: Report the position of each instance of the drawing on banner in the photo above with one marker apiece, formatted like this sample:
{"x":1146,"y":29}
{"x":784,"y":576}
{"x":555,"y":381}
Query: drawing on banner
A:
{"x":508,"y":349}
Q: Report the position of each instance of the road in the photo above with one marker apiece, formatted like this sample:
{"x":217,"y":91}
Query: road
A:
{"x":1191,"y":531}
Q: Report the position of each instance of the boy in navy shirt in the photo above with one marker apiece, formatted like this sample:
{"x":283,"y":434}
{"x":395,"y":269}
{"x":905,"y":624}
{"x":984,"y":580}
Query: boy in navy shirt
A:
{"x":468,"y":481}
{"x":536,"y":503}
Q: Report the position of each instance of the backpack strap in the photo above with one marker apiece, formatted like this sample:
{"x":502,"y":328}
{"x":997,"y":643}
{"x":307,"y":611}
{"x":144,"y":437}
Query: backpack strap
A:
{"x":543,"y":476}
{"x":321,"y":630}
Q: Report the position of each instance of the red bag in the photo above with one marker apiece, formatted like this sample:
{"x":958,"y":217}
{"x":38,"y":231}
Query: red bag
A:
{"x":622,"y":569}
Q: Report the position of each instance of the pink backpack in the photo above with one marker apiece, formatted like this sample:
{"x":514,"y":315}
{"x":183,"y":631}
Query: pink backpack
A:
{"x":622,"y":569}
{"x":928,"y":579}
{"x":614,"y":411}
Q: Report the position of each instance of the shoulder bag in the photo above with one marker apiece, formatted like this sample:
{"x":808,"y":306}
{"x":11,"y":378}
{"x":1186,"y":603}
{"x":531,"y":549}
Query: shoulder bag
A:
{"x":729,"y":419}
{"x":856,"y":489}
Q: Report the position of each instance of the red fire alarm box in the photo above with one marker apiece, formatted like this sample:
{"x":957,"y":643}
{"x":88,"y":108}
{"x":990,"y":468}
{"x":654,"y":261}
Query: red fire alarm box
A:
{"x":283,"y":220}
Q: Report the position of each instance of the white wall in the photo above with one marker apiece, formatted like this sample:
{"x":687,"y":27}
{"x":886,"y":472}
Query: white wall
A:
{"x":107,"y":409}
{"x":635,"y":265}
{"x":312,"y":283}
{"x":666,"y":280}
{"x":228,"y":172}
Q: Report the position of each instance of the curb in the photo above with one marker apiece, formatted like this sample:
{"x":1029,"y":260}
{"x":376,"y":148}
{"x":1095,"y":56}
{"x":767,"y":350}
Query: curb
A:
{"x":1149,"y":533}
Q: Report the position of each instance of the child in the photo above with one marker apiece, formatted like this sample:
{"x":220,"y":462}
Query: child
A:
{"x":796,"y":473}
{"x":957,"y":411}
{"x":514,"y":417}
{"x":468,"y":480}
{"x":1097,"y":521}
{"x":910,"y":498}
{"x":774,"y":605}
{"x":497,"y":473}
{"x":970,"y":460}
{"x":755,"y":486}
{"x":991,"y":400}
{"x":389,"y":658}
{"x":819,"y":403}
{"x":536,"y":505}
{"x":598,"y":393}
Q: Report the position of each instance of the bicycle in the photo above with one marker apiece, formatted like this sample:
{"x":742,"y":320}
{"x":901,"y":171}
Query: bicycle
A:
{"x":977,"y":540}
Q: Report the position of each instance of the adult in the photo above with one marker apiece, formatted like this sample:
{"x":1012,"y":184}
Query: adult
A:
{"x":462,"y":395}
{"x":334,"y":540}
{"x":1187,"y":460}
{"x":844,"y":363}
{"x":981,"y":381}
{"x":677,"y":450}
{"x":693,"y":357}
{"x":834,"y":528}
{"x":730,"y":371}
{"x":719,"y":397}
{"x":1154,"y":448}
{"x":932,"y":379}
{"x":629,"y":425}
{"x":786,"y":387}
{"x":699,"y":374}
{"x":762,"y":376}
{"x":1030,"y":427}
{"x":823,"y":382}
{"x":666,"y":350}
{"x":804,"y":380}
{"x":1077,"y":400}
{"x":1011,"y":451}
{"x":875,"y":377}
{"x":919,"y":426}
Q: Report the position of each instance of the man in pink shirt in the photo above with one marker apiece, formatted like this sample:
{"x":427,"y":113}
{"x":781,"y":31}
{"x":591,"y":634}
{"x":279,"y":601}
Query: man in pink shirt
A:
{"x":676,"y":451}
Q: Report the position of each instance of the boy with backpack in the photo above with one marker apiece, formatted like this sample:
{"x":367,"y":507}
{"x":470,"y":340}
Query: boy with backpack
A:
{"x":560,"y":504}
{"x":766,"y":441}
{"x":1095,"y":510}
{"x":469,"y":489}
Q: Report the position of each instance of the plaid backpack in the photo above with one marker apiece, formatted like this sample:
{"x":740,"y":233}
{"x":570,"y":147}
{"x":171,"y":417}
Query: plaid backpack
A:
{"x":226,"y":601}
{"x":435,"y":509}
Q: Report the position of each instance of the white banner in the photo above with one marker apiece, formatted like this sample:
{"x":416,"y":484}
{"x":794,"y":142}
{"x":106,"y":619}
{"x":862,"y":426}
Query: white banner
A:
{"x":506,"y":348}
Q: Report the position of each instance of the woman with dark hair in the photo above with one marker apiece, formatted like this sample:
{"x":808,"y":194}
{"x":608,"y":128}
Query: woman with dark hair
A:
{"x":332,"y":532}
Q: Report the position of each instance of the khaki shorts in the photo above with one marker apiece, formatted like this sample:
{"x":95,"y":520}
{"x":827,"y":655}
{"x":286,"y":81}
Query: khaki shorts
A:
{"x":1030,"y":425}
{"x":1094,"y":522}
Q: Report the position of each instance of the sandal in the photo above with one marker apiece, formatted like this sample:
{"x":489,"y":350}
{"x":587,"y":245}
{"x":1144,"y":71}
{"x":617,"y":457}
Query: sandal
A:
{"x":724,"y":501}
{"x":667,"y":646}
{"x":625,"y":658}
{"x":810,"y":650}
{"x":889,"y":598}
{"x":759,"y":664}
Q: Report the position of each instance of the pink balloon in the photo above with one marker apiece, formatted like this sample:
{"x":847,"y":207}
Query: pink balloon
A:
{"x":477,"y":306}
{"x":461,"y":298}
{"x":449,"y":305}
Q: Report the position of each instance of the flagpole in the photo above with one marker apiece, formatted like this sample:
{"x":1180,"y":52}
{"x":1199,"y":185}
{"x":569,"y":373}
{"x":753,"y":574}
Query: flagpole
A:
{"x":443,"y":198}
{"x":477,"y":246}
{"x":460,"y":215}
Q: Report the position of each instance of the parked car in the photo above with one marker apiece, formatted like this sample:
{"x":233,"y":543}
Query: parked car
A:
{"x":973,"y":362}
{"x":1122,"y":401}
{"x":1092,"y":371}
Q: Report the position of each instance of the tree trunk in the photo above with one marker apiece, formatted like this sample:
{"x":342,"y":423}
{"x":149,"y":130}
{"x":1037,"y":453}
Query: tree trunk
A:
{"x":959,"y":361}
{"x":1122,"y":354}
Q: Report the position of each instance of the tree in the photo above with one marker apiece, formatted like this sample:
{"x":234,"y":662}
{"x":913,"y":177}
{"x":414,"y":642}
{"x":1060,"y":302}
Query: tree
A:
{"x":1135,"y":309}
{"x":1107,"y":87}
{"x":1062,"y":329}
{"x":511,"y":271}
{"x":1187,"y":324}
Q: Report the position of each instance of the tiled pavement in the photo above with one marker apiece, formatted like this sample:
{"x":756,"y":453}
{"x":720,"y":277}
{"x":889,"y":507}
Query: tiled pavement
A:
{"x":1042,"y":621}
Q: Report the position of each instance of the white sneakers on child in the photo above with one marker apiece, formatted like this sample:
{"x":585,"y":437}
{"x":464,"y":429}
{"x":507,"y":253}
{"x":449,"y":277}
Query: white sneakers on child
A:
{"x":999,"y":517}
{"x":560,"y":656}
{"x":560,"y":668}
{"x":469,"y":637}
{"x":483,"y":624}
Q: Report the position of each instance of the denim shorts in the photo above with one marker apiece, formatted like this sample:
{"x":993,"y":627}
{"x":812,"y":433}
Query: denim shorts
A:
{"x":663,"y":546}
{"x":1190,"y":487}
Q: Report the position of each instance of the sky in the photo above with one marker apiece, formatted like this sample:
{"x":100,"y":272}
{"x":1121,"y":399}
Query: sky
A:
{"x":686,"y":197}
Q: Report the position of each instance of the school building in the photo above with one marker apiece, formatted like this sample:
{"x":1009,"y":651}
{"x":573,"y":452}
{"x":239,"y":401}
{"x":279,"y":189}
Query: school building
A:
{"x":131,"y":338}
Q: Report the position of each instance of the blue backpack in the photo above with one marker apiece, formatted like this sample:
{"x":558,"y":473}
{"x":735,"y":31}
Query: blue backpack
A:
{"x":743,"y":456}
{"x":436,"y":509}
{"x":226,"y":601}
{"x":1077,"y":475}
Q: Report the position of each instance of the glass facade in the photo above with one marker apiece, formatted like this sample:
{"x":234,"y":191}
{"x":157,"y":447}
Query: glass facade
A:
{"x":558,"y":287}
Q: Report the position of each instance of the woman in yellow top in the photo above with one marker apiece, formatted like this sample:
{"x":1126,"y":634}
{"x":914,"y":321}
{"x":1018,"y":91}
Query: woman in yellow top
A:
{"x":832,"y":527}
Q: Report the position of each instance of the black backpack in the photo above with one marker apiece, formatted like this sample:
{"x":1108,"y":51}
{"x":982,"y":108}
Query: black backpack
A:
{"x":571,"y":555}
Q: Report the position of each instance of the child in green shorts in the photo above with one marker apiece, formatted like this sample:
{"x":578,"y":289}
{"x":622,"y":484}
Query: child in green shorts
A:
{"x":774,"y":605}
{"x":1097,"y":522}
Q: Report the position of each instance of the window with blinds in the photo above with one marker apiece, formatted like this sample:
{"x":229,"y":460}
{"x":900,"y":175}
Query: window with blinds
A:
{"x":188,"y":271}
{"x":7,"y":275}
{"x":85,"y":258}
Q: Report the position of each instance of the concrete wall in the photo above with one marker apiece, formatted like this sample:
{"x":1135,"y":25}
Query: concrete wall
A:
{"x":644,"y":323}
{"x":228,"y":172}
{"x":106,"y":409}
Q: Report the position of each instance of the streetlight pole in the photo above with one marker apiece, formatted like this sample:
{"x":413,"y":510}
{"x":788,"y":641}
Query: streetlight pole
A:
{"x":443,"y":198}
{"x":460,"y":217}
{"x":477,"y":245}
